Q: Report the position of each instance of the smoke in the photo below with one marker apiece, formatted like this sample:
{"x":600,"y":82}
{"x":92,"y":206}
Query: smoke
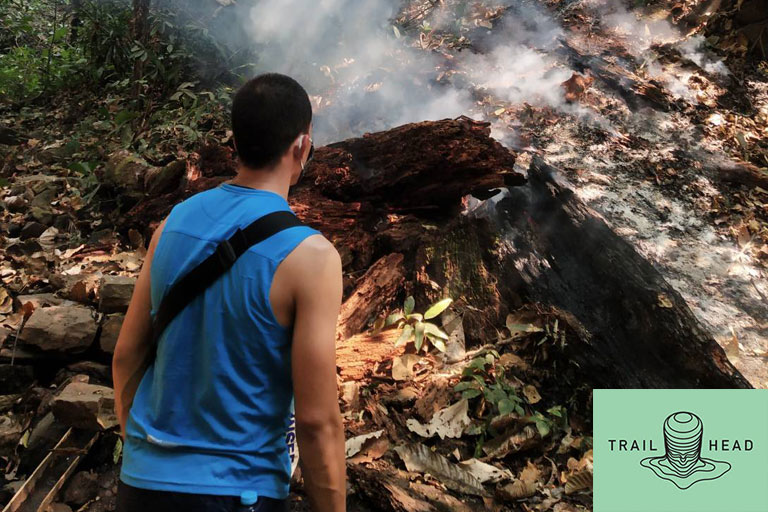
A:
{"x":364,"y":75}
{"x":361,"y":74}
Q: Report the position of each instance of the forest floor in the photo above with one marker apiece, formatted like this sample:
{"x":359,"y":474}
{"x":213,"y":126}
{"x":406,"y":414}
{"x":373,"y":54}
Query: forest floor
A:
{"x":657,"y":138}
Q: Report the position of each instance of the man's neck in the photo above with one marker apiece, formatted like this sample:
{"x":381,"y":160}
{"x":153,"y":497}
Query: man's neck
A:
{"x":272,"y":180}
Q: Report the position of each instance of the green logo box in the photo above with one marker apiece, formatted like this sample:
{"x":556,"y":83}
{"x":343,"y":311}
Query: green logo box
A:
{"x":680,"y":450}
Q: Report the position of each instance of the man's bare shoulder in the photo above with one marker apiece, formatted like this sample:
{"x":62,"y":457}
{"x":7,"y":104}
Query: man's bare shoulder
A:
{"x":313,"y":257}
{"x":315,"y":251}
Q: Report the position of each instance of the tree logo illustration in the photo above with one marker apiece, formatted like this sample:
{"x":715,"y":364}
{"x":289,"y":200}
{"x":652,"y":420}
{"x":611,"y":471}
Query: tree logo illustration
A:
{"x":682,"y":463}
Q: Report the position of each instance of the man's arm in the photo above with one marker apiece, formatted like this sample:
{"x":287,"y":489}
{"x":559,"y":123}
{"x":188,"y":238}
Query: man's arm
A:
{"x":133,"y":341}
{"x":319,"y":428}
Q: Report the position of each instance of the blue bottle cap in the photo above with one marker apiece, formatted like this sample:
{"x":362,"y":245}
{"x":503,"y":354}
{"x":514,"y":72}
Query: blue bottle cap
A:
{"x":249,"y":497}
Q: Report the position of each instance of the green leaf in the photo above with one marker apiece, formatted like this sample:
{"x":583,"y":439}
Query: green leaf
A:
{"x":543,"y":427}
{"x":415,"y":316}
{"x":518,"y":328}
{"x":478,"y":362}
{"x":378,"y":325}
{"x":434,"y":330}
{"x":80,"y":167}
{"x":404,"y":336}
{"x":408,"y":305}
{"x":437,"y":308}
{"x":497,"y":395}
{"x":506,"y":406}
{"x":396,"y":31}
{"x":470,"y":393}
{"x":60,"y":33}
{"x":418,"y":333}
{"x":465,"y":384}
{"x":393,"y":319}
{"x":438,"y":344}
{"x":117,"y":451}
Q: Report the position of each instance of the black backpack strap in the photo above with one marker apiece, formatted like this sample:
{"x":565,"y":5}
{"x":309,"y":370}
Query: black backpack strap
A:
{"x":214,"y":266}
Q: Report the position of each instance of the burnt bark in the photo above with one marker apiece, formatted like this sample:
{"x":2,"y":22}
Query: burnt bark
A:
{"x":635,"y":329}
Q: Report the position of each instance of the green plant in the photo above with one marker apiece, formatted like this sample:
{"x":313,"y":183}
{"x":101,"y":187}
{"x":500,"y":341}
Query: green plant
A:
{"x":414,"y":326}
{"x":483,"y":377}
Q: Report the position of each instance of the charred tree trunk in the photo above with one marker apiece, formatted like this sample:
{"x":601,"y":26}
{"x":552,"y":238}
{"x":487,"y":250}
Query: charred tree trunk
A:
{"x":637,"y":330}
{"x":396,"y":206}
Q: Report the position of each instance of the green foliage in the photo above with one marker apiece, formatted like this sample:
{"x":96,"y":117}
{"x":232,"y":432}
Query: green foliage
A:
{"x":414,"y":326}
{"x":41,"y":51}
{"x":485,"y":379}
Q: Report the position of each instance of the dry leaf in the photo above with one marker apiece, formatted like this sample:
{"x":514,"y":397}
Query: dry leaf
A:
{"x":449,"y":422}
{"x":421,"y":459}
{"x":517,"y":490}
{"x":354,"y":445}
{"x":372,"y":449}
{"x":500,"y":446}
{"x":485,"y":472}
{"x":531,"y":473}
{"x":664,"y":301}
{"x":402,"y":366}
{"x":579,"y":481}
{"x":531,"y":394}
{"x":6,"y":302}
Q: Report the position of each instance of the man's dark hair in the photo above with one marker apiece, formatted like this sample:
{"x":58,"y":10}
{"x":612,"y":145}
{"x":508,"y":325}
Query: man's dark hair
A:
{"x":268,"y":114}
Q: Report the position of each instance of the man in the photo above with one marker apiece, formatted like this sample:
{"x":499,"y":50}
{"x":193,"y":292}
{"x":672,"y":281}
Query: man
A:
{"x":205,"y":425}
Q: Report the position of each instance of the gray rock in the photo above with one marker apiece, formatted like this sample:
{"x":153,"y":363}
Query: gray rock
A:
{"x":42,"y":215}
{"x":60,"y":328}
{"x":32,"y":230}
{"x":45,"y":197}
{"x":115,"y":293}
{"x":14,"y":230}
{"x":15,"y":203}
{"x":110,"y":329}
{"x":86,"y":406}
{"x":41,"y":300}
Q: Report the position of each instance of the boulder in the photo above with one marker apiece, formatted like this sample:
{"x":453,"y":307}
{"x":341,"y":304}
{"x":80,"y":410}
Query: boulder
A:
{"x":60,"y":328}
{"x":110,"y":329}
{"x":85,"y":406}
{"x":115,"y":293}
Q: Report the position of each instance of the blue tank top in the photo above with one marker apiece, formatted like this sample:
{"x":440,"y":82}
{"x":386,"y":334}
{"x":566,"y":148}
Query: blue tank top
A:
{"x":211,"y":414}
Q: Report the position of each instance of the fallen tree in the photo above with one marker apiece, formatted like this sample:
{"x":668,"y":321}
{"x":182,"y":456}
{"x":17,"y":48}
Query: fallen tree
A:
{"x":392,"y":204}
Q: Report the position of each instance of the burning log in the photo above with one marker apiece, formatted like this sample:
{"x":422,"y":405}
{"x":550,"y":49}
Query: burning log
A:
{"x":392,"y":204}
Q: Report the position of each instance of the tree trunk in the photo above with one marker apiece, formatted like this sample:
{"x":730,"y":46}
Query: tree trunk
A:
{"x":636,"y":330}
{"x":140,"y":29}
